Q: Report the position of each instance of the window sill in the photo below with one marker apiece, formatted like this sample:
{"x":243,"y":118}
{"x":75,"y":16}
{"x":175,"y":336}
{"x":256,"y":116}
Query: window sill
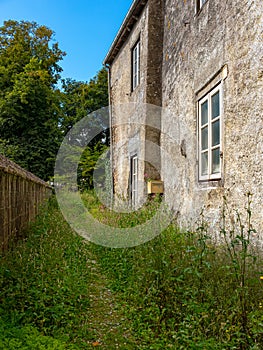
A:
{"x":205,"y":185}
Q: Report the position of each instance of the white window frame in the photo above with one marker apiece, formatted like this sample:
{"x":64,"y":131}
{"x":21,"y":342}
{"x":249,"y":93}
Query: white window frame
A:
{"x":202,"y":151}
{"x":136,"y":65}
{"x":199,"y":4}
{"x":134,"y":180}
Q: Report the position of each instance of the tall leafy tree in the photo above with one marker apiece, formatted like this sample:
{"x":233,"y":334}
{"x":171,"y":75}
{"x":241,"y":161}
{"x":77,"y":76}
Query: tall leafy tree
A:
{"x":30,"y":106}
{"x":82,"y":98}
{"x":84,"y":101}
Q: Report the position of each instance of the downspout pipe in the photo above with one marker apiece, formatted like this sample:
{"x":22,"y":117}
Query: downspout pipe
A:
{"x":108,"y":67}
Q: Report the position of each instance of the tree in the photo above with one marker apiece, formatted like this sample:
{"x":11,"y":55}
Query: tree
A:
{"x":81,"y":98}
{"x":84,"y":101}
{"x":34,"y":114}
{"x":29,"y":101}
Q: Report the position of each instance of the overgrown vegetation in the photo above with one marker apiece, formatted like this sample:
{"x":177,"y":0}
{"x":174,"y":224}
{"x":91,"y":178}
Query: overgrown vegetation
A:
{"x":44,"y":284}
{"x":119,"y":219}
{"x":178,"y":291}
{"x":183,"y":292}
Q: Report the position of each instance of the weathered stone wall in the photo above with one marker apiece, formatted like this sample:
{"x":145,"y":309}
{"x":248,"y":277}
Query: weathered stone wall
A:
{"x":21,"y":194}
{"x":154,"y":89}
{"x":129,"y":113}
{"x":184,"y":54}
{"x":198,"y":49}
{"x":127,"y":136}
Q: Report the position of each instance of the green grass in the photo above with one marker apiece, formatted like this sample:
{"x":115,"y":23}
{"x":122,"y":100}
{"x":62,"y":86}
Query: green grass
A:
{"x":28,"y":337}
{"x":118,"y":219}
{"x":177,"y":302}
{"x":178,"y":291}
{"x":183,"y":292}
{"x":44,"y":281}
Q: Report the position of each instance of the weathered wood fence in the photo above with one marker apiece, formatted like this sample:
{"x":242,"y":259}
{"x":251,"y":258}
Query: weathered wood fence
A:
{"x":21,"y":194}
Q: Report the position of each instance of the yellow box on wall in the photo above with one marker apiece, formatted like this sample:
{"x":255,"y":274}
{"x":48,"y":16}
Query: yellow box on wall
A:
{"x":155,"y":186}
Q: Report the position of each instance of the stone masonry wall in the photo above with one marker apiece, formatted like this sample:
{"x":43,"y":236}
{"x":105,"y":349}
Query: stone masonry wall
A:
{"x":127,"y":136}
{"x":154,"y":88}
{"x":129,"y":112}
{"x":223,"y":42}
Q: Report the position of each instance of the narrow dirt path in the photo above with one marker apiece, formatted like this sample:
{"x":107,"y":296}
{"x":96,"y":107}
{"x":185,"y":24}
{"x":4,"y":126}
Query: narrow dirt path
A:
{"x":110,"y":328}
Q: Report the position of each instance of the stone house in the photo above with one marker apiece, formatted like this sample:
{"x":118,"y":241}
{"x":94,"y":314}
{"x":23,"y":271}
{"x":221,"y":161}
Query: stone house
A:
{"x":185,"y":86}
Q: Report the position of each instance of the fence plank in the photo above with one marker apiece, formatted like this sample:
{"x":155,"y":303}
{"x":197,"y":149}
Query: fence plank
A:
{"x":21,"y":195}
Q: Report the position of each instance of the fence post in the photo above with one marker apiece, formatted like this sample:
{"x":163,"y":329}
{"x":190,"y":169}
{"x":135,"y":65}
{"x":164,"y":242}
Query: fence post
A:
{"x":21,"y":195}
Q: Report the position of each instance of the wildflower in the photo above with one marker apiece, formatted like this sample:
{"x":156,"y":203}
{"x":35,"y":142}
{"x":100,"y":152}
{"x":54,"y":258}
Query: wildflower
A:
{"x":261,"y":278}
{"x":95,"y":343}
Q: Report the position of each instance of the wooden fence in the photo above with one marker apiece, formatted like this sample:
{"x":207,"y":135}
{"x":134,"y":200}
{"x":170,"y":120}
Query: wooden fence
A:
{"x":21,"y":194}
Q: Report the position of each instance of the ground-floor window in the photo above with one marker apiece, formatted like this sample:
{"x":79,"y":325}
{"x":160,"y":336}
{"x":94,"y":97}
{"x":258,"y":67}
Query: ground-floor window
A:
{"x":134,"y":180}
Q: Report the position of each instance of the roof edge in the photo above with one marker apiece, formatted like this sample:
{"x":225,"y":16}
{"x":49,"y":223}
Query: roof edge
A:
{"x":125,"y":29}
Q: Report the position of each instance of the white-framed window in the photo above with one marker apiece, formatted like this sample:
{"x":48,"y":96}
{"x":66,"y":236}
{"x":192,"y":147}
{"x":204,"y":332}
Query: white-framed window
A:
{"x":134,"y":180}
{"x":136,"y":65}
{"x":210,"y":135}
{"x":199,"y":4}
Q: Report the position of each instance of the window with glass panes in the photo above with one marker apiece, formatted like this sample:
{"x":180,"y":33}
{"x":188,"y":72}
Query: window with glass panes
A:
{"x":134,"y":179}
{"x":210,"y":134}
{"x":136,"y":65}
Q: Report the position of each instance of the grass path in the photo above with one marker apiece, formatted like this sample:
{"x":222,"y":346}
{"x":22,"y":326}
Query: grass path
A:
{"x":59,"y":292}
{"x":53,"y":294}
{"x":110,"y":328}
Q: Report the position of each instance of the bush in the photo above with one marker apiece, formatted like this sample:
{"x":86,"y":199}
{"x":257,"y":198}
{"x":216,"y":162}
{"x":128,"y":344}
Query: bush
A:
{"x":28,"y":338}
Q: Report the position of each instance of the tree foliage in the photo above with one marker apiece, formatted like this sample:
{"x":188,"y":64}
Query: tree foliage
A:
{"x":81,"y":98}
{"x":34,"y":114}
{"x":83,"y":101}
{"x":29,"y":101}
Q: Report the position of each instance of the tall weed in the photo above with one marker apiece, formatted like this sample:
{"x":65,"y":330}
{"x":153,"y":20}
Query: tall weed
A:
{"x":44,"y":280}
{"x":184,"y":292}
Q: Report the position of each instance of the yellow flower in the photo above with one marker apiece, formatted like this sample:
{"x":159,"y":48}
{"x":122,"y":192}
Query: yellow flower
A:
{"x":261,"y":277}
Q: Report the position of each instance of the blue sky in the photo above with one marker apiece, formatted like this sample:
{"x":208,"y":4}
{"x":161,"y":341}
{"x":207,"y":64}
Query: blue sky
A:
{"x":84,"y":29}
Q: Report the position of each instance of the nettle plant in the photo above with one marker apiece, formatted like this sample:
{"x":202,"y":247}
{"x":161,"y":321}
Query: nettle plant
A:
{"x":241,"y":240}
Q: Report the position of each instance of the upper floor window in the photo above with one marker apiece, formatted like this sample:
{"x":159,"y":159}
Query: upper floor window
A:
{"x":136,"y":65}
{"x":210,"y":134}
{"x":199,"y":4}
